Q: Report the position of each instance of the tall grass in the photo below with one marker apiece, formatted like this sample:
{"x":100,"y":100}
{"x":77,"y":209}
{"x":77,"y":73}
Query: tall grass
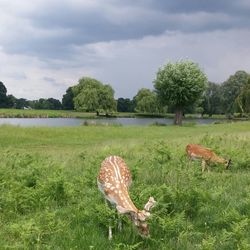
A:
{"x":49,"y":197}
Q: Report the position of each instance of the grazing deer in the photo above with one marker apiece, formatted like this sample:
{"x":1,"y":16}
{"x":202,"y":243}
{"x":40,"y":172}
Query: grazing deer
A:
{"x":195,"y":151}
{"x":113,"y":181}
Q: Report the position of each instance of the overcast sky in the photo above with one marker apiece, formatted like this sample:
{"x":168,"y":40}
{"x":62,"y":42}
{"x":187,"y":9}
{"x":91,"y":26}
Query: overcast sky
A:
{"x":47,"y":45}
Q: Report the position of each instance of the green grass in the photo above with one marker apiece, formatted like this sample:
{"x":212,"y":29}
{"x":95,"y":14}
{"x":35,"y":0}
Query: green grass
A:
{"x":49,"y":198}
{"x":21,"y":113}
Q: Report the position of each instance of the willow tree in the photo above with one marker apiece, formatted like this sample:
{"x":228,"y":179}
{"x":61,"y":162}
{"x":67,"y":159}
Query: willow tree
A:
{"x":243,"y":100}
{"x":179,"y":85}
{"x":147,"y":102}
{"x":91,"y":95}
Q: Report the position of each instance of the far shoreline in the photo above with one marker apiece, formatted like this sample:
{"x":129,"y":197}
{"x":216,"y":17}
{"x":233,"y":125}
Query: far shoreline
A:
{"x":35,"y":113}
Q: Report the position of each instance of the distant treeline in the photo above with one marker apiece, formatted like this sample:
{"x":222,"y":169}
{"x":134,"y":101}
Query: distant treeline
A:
{"x":231,"y":96}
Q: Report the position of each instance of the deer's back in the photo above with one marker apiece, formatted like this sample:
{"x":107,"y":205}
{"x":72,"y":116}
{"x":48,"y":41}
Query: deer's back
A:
{"x":114,"y":170}
{"x":198,"y":151}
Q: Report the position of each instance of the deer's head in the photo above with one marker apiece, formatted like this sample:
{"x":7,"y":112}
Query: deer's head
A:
{"x":140,"y":217}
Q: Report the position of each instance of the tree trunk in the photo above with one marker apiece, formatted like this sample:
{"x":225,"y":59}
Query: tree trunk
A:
{"x":178,"y":116}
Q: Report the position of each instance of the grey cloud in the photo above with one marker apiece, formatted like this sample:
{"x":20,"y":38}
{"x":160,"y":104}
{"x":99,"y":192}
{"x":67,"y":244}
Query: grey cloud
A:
{"x":17,"y":76}
{"x":118,"y":42}
{"x":192,"y":6}
{"x":54,"y":82}
{"x":69,"y":26}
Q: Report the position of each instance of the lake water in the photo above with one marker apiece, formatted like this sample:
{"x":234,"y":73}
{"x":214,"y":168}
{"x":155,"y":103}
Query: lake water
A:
{"x":61,"y":122}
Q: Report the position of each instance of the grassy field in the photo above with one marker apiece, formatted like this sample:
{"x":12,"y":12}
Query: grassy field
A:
{"x":35,"y":113}
{"x":49,"y":197}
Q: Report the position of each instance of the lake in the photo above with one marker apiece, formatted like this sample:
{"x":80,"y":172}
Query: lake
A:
{"x":61,"y":122}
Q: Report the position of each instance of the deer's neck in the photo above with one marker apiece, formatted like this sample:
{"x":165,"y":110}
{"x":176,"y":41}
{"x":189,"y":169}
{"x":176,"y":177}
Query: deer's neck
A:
{"x":218,"y":159}
{"x":121,"y":197}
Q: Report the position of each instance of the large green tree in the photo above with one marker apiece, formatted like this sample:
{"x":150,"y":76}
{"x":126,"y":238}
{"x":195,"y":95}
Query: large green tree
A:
{"x":212,"y":99}
{"x":231,"y":89}
{"x":3,"y":96}
{"x":243,"y":100}
{"x":179,"y":85}
{"x":67,"y":100}
{"x":147,"y":102}
{"x":92,"y":95}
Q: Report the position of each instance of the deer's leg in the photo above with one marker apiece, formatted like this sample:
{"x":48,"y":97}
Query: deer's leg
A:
{"x":119,"y":224}
{"x":208,"y":168}
{"x":204,"y":165}
{"x":110,"y":233}
{"x":110,"y":227}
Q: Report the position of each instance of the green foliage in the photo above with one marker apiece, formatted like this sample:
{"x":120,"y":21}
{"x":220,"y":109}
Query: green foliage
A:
{"x":212,"y":102}
{"x":231,"y":89}
{"x":3,"y":96}
{"x":92,"y":95}
{"x":67,"y":100}
{"x":180,"y":84}
{"x":122,"y":246}
{"x":21,"y":113}
{"x":147,"y":102}
{"x":243,"y":99}
{"x":125,"y":105}
{"x":50,"y":103}
{"x":49,"y":197}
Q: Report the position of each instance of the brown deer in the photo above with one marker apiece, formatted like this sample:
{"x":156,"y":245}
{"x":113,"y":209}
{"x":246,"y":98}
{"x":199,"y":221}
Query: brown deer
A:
{"x":196,"y":151}
{"x":113,"y":181}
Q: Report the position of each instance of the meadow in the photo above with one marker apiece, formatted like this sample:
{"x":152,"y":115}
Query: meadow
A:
{"x":49,"y":197}
{"x":36,"y":113}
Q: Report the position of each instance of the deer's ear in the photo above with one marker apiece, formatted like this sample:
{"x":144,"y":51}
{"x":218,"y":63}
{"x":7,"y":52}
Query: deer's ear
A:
{"x":151,"y":203}
{"x":122,"y":210}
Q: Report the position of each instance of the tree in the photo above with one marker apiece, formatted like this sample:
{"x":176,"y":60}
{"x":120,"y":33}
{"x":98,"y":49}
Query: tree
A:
{"x":53,"y":104}
{"x":21,"y":103}
{"x":91,"y":95}
{"x":212,"y":99}
{"x":107,"y":102}
{"x":67,"y":100}
{"x":180,"y":84}
{"x":146,"y":101}
{"x":243,"y":100}
{"x":49,"y":103}
{"x":125,"y":105}
{"x":3,"y":96}
{"x":231,"y":89}
{"x":11,"y":100}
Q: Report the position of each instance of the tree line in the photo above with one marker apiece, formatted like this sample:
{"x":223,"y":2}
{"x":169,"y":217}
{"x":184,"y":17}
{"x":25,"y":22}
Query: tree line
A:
{"x":10,"y":101}
{"x":178,"y":88}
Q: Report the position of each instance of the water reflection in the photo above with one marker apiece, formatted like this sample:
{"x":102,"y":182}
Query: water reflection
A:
{"x":62,"y":122}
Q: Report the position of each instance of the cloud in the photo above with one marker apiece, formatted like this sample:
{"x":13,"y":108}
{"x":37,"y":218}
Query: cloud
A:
{"x":133,"y":64}
{"x":47,"y":45}
{"x":52,"y":28}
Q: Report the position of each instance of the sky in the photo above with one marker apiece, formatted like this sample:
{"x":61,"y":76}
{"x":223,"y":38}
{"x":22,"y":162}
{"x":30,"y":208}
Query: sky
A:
{"x":48,"y":45}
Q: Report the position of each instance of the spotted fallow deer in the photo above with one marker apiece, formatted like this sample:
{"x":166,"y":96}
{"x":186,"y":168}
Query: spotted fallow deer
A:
{"x":113,"y":181}
{"x":196,"y":151}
